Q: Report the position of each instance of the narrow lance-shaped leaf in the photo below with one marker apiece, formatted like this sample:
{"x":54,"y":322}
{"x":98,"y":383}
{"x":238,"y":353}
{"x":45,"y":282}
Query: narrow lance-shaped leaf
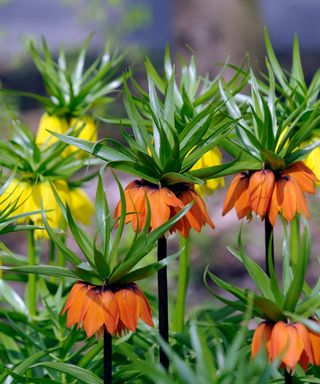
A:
{"x":103,"y":215}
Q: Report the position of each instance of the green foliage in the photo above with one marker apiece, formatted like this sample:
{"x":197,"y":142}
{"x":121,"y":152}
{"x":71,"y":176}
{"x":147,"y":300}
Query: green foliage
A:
{"x":168,"y":128}
{"x":73,"y":90}
{"x":105,"y":262}
{"x":273,"y":301}
{"x":173,"y":125}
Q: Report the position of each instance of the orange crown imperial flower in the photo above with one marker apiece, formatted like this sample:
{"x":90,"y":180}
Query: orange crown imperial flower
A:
{"x":293,"y":343}
{"x":112,"y":309}
{"x":165,"y":202}
{"x":267,"y":192}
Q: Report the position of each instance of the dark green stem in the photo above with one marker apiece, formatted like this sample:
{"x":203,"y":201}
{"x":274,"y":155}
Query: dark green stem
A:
{"x":107,"y":358}
{"x":287,"y":377}
{"x":163,"y":301}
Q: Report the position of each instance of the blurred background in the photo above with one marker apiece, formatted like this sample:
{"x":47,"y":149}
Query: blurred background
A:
{"x":215,"y":30}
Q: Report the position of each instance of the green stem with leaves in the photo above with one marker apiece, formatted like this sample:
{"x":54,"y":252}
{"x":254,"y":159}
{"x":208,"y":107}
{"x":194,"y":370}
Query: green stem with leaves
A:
{"x":32,"y":283}
{"x":183,"y":280}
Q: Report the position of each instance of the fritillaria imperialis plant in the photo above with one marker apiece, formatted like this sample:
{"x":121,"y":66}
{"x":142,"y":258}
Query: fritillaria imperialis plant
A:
{"x":290,"y":329}
{"x":170,"y":135}
{"x":105,"y":300}
{"x":73,"y":92}
{"x":171,"y":143}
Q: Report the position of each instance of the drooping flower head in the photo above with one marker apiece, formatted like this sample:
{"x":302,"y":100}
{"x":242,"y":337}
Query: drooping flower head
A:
{"x":41,"y":179}
{"x":269,"y":142}
{"x":164,"y":202}
{"x":271,"y":193}
{"x":291,"y":343}
{"x":105,"y":296}
{"x":112,"y":309}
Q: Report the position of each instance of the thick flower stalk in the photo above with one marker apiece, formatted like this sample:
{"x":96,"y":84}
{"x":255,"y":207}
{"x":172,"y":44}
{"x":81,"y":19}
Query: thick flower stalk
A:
{"x":165,"y":202}
{"x":114,"y":309}
{"x":292,"y":343}
{"x":269,"y":193}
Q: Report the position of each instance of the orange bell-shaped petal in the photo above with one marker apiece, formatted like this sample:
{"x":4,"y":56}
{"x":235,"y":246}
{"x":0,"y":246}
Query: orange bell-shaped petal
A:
{"x":260,"y":191}
{"x":286,"y":344}
{"x":303,"y":175}
{"x":111,"y":311}
{"x":315,"y":346}
{"x":261,"y":339}
{"x":129,"y":310}
{"x":238,"y":196}
{"x":99,"y":308}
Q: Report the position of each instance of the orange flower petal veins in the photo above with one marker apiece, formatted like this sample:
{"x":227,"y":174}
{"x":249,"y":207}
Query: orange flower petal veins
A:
{"x":307,"y":355}
{"x":111,"y":311}
{"x":260,"y":191}
{"x":261,"y":338}
{"x":160,"y":211}
{"x":238,"y":186}
{"x":145,"y":309}
{"x":72,"y":296}
{"x":128,"y":308}
{"x":303,"y":175}
{"x":315,"y":346}
{"x":274,"y":207}
{"x":93,"y":319}
{"x":97,"y":308}
{"x":286,"y":343}
{"x":75,"y":308}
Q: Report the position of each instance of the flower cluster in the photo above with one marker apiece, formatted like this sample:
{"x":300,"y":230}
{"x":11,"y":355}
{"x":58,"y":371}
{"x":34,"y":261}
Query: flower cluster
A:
{"x":292,"y":343}
{"x":27,"y":197}
{"x":165,"y":202}
{"x":114,"y":309}
{"x":268,"y":192}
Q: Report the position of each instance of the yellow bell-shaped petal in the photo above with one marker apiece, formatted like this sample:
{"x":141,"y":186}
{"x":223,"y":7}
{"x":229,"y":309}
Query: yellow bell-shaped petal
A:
{"x":313,"y":162}
{"x":26,"y":198}
{"x":14,"y":197}
{"x":88,"y":130}
{"x":51,"y":123}
{"x":81,"y":206}
{"x":209,"y":159}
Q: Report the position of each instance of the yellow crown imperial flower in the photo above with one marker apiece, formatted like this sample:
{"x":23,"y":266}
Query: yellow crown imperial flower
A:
{"x":85,"y":125}
{"x":50,"y":123}
{"x":312,"y":161}
{"x":26,"y":197}
{"x":209,"y":159}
